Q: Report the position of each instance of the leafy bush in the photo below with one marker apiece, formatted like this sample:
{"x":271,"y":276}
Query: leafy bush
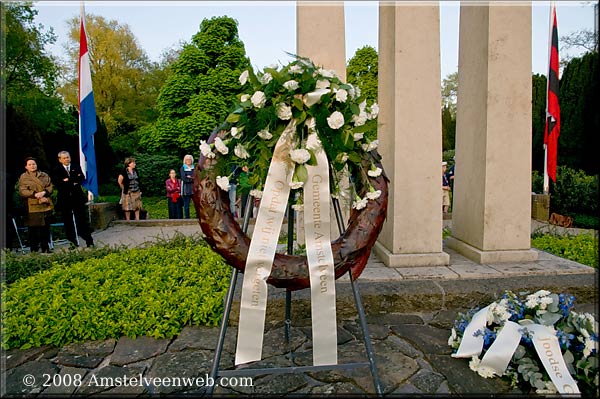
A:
{"x":537,"y":182}
{"x":582,"y":248}
{"x":154,"y":170}
{"x":586,"y":222}
{"x":15,"y":266}
{"x":574,"y":193}
{"x":152,"y":291}
{"x":448,"y":156}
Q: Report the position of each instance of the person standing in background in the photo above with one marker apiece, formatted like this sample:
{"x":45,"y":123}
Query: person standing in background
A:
{"x":131,"y":194}
{"x":445,"y":189}
{"x":187,"y":178}
{"x":173,"y":185}
{"x":36,"y":188}
{"x":67,"y":178}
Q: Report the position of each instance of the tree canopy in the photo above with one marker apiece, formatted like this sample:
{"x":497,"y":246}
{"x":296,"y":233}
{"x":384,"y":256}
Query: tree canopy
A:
{"x":362,"y":71}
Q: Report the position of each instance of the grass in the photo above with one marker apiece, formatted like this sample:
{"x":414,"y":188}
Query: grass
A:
{"x":157,"y":207}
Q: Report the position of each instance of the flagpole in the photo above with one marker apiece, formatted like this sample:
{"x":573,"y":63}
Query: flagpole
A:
{"x":550,"y":27}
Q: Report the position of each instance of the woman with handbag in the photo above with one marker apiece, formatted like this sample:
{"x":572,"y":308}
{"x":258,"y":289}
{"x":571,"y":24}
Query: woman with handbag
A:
{"x":36,"y":188}
{"x":174,"y":199}
{"x":131,"y":194}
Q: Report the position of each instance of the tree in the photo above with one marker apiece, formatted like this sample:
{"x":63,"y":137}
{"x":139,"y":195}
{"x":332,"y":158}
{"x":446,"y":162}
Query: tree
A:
{"x":448,"y":129}
{"x":449,"y":92}
{"x":362,"y":71}
{"x":124,"y":80}
{"x":199,"y":91}
{"x":538,"y":120}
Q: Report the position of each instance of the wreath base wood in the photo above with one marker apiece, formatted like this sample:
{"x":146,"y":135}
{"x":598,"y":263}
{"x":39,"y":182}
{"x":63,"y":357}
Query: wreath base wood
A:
{"x":350,"y":251}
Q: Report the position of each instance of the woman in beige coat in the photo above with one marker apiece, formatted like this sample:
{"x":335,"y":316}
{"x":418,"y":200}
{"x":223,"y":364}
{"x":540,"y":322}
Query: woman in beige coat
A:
{"x":35,"y":187}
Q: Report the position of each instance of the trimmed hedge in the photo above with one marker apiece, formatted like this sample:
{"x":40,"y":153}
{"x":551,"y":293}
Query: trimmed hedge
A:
{"x":582,"y":248}
{"x":153,"y":291}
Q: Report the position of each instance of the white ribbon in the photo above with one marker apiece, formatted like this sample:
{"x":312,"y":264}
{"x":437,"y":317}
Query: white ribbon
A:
{"x":317,"y":222}
{"x":507,"y":340}
{"x":253,"y":303}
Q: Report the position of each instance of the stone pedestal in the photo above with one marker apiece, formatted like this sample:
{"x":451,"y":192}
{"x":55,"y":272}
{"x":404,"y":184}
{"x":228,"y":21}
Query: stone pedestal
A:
{"x":102,"y":213}
{"x":410,"y":139}
{"x":491,"y":217}
{"x":540,"y":207}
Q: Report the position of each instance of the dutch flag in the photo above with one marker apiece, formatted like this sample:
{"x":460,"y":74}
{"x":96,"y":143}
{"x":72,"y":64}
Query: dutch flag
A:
{"x":87,"y":114}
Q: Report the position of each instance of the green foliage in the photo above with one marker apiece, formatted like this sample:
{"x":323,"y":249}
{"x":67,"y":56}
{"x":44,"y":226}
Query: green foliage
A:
{"x":203,"y":83}
{"x":582,"y":248}
{"x":153,"y":291}
{"x":448,"y":156}
{"x":538,"y":121}
{"x":537,"y":182}
{"x":448,"y":129}
{"x":574,"y":192}
{"x":586,"y":221}
{"x":158,"y":207}
{"x":16,"y":266}
{"x":154,"y":170}
{"x":363,"y":71}
{"x":449,"y":93}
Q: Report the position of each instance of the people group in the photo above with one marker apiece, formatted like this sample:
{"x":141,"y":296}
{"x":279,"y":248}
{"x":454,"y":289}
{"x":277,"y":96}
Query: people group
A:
{"x":180,"y":189}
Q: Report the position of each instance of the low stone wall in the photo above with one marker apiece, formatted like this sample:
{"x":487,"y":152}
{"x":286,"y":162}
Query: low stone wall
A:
{"x":102,"y":214}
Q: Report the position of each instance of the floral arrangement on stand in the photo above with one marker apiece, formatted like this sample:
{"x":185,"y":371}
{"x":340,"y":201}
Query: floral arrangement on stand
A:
{"x":577,"y":336}
{"x":308,"y":97}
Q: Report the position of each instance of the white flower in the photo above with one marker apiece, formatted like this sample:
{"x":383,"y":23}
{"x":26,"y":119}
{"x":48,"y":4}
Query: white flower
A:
{"x":372,"y":195}
{"x":240,"y":151}
{"x":256,"y":193}
{"x":358,"y":136}
{"x":452,"y":338}
{"x":298,"y":207}
{"x":291,"y":85}
{"x":360,"y":203}
{"x":235,"y":132}
{"x":322,"y":84}
{"x":313,"y":142}
{"x":296,"y":185}
{"x":474,"y":363}
{"x":300,"y":155}
{"x":220,"y":146}
{"x":497,"y":313}
{"x":359,"y":119}
{"x":205,"y":149}
{"x":486,"y":372}
{"x":296,"y":69}
{"x":244,"y":77}
{"x":327,"y":73}
{"x":314,"y":97}
{"x":258,"y":99}
{"x":374,"y":172}
{"x":265,"y":134}
{"x":370,"y":146}
{"x":336,"y":120}
{"x":374,"y":111}
{"x":272,"y":66}
{"x":266,"y":78}
{"x":342,"y":157}
{"x":590,"y":345}
{"x":351,"y":91}
{"x":284,"y":112}
{"x":223,"y":182}
{"x":341,"y":95}
{"x":245,"y":97}
{"x":357,"y":91}
{"x":550,"y":388}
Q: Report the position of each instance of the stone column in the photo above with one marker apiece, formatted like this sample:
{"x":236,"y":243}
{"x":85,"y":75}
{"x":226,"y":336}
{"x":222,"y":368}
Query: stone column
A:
{"x":491,"y":217}
{"x":410,"y":134}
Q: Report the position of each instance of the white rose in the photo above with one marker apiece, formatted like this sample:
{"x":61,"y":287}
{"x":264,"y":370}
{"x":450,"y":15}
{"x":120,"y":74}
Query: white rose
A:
{"x":245,"y":97}
{"x":220,"y":146}
{"x":360,"y":119}
{"x":256,"y":193}
{"x":205,"y":149}
{"x":336,"y":120}
{"x":244,"y":77}
{"x":322,"y":84}
{"x":358,"y":136}
{"x":265,"y":134}
{"x":372,"y":195}
{"x":235,"y":132}
{"x":223,"y":182}
{"x":351,"y":91}
{"x":296,"y":185}
{"x":374,"y":111}
{"x":295,"y":69}
{"x":258,"y":99}
{"x":341,"y":95}
{"x":284,"y":112}
{"x":371,"y":146}
{"x":326,"y":73}
{"x":291,"y":85}
{"x":240,"y":151}
{"x":266,"y":78}
{"x":300,"y":155}
{"x":374,"y":172}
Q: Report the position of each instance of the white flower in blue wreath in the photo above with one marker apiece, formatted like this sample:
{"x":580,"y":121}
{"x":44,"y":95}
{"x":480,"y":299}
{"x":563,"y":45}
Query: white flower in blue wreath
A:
{"x":236,"y":133}
{"x":300,"y":155}
{"x":291,"y":85}
{"x":335,"y":120}
{"x":265,"y":134}
{"x":341,"y":95}
{"x":266,"y":78}
{"x":370,"y":146}
{"x":205,"y":149}
{"x":244,"y":77}
{"x":245,"y":97}
{"x":322,"y":84}
{"x":220,"y":146}
{"x":223,"y":182}
{"x":258,"y":99}
{"x":240,"y":151}
{"x":374,"y":172}
{"x":284,"y":112}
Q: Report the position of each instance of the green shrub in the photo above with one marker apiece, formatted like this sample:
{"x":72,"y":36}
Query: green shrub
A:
{"x":574,"y":193}
{"x":537,"y":182}
{"x":586,"y":222}
{"x":153,"y":291}
{"x":582,"y":248}
{"x":18,"y":266}
{"x":154,"y":170}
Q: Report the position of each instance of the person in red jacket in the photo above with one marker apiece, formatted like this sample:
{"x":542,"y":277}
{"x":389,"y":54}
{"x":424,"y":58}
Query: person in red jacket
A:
{"x":174,"y":199}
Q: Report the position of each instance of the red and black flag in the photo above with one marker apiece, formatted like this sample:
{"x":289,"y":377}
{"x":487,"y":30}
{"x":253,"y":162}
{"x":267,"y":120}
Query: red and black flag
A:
{"x":552,"y":130}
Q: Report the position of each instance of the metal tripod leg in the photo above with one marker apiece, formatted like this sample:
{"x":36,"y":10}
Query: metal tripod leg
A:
{"x":18,"y":236}
{"x":214,"y":371}
{"x":360,"y":309}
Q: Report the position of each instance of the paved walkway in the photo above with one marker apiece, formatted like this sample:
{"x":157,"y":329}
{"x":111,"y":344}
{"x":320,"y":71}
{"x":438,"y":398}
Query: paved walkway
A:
{"x":409,"y":312}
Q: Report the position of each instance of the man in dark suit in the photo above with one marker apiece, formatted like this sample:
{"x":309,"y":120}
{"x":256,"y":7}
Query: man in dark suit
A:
{"x":67,"y":178}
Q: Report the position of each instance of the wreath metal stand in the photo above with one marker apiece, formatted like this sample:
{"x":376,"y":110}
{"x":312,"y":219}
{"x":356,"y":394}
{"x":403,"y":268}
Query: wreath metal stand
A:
{"x":215,"y":372}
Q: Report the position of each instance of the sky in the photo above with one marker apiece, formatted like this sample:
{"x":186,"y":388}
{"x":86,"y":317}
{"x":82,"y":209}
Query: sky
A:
{"x":268,"y":28}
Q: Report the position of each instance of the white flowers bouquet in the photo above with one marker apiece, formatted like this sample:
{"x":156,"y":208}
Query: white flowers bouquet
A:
{"x":312,"y":98}
{"x":577,"y":336}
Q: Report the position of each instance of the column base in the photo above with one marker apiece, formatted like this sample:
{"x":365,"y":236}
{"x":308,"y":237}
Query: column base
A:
{"x":410,"y":260}
{"x":479,"y":256}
